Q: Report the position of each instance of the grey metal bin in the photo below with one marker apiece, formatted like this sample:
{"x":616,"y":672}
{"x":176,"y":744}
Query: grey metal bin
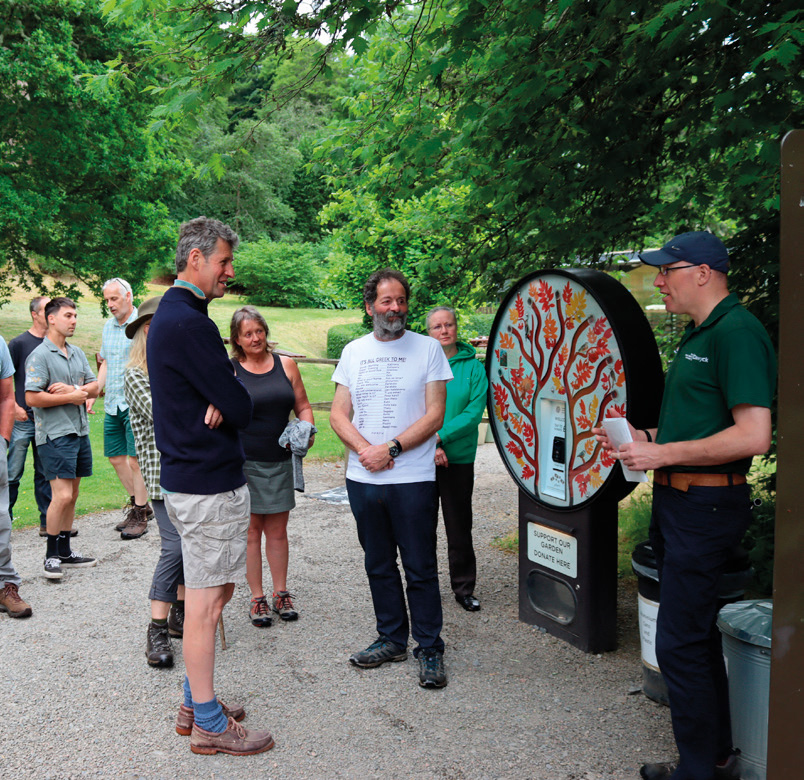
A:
{"x":746,"y":630}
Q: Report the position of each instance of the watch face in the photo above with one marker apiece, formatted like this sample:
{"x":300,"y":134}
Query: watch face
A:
{"x":556,"y":369}
{"x":394,"y":451}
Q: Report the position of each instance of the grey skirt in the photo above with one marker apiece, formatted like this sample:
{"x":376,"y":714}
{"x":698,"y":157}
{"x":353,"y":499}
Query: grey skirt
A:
{"x":270,"y":486}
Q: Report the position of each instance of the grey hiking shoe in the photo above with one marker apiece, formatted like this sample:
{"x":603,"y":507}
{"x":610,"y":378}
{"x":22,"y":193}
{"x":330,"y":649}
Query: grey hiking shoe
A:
{"x":380,"y":651}
{"x":282,"y":604}
{"x":431,"y":669}
{"x":260,"y":613}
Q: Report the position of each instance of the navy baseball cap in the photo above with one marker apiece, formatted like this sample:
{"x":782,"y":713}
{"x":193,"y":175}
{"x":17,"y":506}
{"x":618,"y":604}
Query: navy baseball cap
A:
{"x":698,"y":248}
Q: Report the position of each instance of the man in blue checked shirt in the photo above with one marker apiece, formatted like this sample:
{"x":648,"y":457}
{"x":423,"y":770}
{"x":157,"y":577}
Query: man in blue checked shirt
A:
{"x":118,"y":440}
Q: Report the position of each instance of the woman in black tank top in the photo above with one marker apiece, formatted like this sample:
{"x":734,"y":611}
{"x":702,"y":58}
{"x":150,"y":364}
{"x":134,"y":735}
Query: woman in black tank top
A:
{"x":276,"y":390}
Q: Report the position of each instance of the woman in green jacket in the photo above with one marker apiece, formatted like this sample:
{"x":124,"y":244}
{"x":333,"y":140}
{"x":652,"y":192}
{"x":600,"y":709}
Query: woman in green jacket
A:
{"x":456,"y":451}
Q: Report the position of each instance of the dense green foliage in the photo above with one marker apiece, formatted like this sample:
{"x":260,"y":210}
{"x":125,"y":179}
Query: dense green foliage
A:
{"x":78,"y":172}
{"x":485,"y":138}
{"x":89,"y":190}
{"x":338,"y":336}
{"x":576,"y":128}
{"x":474,"y":141}
{"x":252,"y":162}
{"x":280,"y":274}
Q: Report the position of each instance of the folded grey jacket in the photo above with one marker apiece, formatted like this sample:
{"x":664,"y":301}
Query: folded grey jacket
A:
{"x":297,"y":434}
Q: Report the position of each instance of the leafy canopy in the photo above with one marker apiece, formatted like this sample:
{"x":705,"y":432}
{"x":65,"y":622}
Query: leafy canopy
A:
{"x":563,"y":129}
{"x":80,"y":179}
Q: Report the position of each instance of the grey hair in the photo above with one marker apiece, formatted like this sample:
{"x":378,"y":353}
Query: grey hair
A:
{"x":437,"y":309}
{"x":245,"y":314}
{"x":36,"y":303}
{"x":121,"y":283}
{"x":203,"y":234}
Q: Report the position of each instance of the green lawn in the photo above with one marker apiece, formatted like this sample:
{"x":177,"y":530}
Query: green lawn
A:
{"x":101,"y":491}
{"x":302,"y":331}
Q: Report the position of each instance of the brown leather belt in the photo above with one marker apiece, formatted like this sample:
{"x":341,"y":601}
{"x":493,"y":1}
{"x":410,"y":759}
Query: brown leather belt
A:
{"x":683,"y":480}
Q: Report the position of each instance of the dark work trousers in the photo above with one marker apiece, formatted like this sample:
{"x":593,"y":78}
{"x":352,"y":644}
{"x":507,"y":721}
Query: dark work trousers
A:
{"x":169,"y":572}
{"x":693,"y":534}
{"x":21,"y":437}
{"x":455,"y":484}
{"x":403,"y":517}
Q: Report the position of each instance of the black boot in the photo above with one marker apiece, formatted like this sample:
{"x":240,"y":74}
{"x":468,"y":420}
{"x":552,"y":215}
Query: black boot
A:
{"x":157,"y":647}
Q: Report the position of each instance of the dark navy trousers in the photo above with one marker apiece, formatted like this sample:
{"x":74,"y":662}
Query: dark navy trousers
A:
{"x":693,"y":534}
{"x":404,"y":518}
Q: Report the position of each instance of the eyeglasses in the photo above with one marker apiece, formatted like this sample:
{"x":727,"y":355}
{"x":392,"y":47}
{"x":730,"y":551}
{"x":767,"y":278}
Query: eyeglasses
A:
{"x":664,"y":270}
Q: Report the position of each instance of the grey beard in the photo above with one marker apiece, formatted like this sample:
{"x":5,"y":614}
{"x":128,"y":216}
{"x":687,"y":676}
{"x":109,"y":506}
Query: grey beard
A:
{"x":386,"y":329}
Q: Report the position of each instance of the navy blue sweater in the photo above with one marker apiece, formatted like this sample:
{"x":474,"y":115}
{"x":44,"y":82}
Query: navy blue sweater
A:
{"x":189,"y":369}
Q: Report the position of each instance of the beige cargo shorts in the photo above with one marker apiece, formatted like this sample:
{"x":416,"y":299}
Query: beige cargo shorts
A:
{"x":213,"y":530}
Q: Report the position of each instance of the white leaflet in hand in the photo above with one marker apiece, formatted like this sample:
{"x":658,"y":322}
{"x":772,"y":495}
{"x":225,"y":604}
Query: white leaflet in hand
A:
{"x":619,"y":433}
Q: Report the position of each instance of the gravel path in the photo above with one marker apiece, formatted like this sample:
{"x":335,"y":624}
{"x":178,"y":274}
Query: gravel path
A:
{"x":81,"y":702}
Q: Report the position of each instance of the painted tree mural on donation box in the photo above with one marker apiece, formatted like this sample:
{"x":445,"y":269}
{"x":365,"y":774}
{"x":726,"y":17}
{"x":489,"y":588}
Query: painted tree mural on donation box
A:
{"x":556,"y":371}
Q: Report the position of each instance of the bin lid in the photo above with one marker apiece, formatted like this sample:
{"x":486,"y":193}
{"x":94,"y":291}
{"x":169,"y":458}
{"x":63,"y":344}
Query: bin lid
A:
{"x":643,"y":561}
{"x":749,"y":621}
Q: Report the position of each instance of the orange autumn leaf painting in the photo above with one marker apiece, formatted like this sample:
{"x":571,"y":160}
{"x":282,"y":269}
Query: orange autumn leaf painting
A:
{"x":554,"y":350}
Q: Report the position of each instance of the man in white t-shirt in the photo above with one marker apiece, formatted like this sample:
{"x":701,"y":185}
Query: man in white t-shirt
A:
{"x":395,"y":383}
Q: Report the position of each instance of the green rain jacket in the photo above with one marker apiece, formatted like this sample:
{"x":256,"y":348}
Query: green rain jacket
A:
{"x":466,"y":400}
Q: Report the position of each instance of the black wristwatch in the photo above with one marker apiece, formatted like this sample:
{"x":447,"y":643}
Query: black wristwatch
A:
{"x":394,"y":448}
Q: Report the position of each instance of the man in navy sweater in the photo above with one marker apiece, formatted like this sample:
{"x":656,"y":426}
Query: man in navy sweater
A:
{"x":199,"y":405}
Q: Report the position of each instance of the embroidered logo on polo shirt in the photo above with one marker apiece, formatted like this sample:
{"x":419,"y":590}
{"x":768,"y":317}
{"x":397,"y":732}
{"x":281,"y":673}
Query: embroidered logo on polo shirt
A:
{"x":698,"y":358}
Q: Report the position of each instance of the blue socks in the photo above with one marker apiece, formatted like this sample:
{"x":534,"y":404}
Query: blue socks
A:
{"x":208,"y":714}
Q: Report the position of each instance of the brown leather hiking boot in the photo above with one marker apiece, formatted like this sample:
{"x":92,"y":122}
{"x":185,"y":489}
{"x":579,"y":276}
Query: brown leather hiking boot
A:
{"x":176,"y":620}
{"x":11,"y":602}
{"x":236,"y":740}
{"x":186,"y":717}
{"x":126,"y":517}
{"x":137,"y":524}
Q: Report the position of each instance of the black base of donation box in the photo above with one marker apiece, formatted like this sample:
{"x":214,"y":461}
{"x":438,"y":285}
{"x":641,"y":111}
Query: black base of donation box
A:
{"x":568,"y":572}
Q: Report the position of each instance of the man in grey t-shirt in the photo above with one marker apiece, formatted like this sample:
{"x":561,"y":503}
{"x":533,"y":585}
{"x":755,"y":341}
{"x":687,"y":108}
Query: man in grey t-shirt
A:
{"x":58,"y":381}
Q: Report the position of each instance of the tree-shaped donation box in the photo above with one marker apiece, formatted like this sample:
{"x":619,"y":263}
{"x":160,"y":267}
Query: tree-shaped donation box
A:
{"x":569,"y":348}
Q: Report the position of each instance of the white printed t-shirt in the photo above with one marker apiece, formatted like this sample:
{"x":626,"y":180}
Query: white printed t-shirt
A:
{"x":387,"y":381}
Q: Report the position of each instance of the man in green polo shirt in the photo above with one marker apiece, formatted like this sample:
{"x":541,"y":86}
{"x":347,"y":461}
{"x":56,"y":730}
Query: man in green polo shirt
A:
{"x":715,"y":417}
